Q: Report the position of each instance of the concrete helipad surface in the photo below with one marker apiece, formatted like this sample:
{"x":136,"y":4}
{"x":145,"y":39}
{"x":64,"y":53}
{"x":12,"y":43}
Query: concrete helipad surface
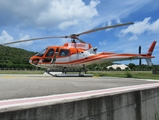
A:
{"x":24,"y":86}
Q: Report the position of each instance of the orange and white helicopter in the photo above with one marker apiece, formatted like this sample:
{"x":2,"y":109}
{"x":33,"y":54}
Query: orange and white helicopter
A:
{"x":76,"y":55}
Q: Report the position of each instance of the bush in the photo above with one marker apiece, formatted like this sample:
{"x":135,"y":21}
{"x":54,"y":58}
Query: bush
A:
{"x":128,"y":75}
{"x":111,"y":69}
{"x":118,"y":69}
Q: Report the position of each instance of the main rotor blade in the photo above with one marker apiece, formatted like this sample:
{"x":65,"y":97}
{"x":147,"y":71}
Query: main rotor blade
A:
{"x":81,"y":41}
{"x":35,"y":39}
{"x":72,"y":36}
{"x":107,"y":27}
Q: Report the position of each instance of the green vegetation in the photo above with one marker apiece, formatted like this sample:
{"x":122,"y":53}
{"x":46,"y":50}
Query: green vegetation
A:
{"x":156,"y":116}
{"x":14,"y":58}
{"x":134,"y":71}
{"x":131,"y":66}
{"x":127,"y":74}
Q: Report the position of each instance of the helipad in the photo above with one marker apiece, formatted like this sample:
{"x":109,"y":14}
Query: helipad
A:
{"x":26,"y":86}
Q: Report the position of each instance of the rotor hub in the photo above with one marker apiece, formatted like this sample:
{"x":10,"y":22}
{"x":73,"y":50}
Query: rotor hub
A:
{"x":74,"y":36}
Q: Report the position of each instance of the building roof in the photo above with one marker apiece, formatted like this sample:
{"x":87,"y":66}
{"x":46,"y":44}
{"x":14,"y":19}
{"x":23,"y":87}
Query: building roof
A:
{"x":115,"y":66}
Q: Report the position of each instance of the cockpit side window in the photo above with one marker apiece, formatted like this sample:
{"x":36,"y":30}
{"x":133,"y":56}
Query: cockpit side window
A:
{"x":50,"y":53}
{"x":64,"y":52}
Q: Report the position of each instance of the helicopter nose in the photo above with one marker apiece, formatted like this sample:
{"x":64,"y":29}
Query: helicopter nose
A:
{"x":30,"y":61}
{"x":33,"y":60}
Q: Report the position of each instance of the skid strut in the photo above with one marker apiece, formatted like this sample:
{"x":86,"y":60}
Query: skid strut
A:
{"x":64,"y":71}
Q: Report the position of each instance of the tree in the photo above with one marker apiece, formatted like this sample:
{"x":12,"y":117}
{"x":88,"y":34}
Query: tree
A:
{"x":118,"y":69}
{"x":111,"y":68}
{"x":132,"y":66}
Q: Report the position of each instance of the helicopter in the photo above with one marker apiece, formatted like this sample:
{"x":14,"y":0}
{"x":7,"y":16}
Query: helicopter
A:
{"x":77,"y":54}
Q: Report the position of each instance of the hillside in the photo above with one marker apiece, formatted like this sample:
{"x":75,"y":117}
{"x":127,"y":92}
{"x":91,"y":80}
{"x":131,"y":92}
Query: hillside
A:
{"x":11,"y":57}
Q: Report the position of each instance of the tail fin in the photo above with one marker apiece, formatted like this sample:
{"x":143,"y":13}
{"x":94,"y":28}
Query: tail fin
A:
{"x":149,"y":53}
{"x":149,"y":62}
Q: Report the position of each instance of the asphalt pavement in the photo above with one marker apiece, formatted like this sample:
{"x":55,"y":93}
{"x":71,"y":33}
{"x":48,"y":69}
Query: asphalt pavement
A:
{"x":13,"y":86}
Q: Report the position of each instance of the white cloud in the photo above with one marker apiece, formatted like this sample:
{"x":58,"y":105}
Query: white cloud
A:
{"x":50,"y":14}
{"x":5,"y":38}
{"x":138,"y":27}
{"x":155,"y":26}
{"x":141,"y":27}
{"x":24,"y":37}
{"x":114,"y":19}
{"x":61,"y":14}
{"x":66,"y":24}
{"x":64,"y":13}
{"x":115,"y":9}
{"x":102,"y":43}
{"x":134,"y":37}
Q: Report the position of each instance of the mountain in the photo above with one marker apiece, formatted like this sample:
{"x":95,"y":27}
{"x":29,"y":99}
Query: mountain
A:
{"x":11,"y":57}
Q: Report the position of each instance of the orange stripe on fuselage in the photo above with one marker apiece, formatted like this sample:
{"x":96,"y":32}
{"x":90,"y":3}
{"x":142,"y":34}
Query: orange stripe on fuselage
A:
{"x":102,"y":56}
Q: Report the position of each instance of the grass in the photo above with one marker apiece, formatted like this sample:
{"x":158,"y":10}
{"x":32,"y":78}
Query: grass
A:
{"x":122,"y":74}
{"x":127,"y":74}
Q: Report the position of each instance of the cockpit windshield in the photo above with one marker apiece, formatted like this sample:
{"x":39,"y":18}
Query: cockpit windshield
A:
{"x":40,"y":54}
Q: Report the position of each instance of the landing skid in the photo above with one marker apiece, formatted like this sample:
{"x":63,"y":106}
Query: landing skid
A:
{"x":73,"y":75}
{"x":68,"y":75}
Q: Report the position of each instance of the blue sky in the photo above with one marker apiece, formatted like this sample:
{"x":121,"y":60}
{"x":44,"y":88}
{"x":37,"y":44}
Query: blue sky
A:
{"x":21,"y":19}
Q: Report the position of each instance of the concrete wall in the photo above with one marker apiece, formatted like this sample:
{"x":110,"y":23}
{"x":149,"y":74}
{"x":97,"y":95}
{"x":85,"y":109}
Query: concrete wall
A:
{"x":135,"y":105}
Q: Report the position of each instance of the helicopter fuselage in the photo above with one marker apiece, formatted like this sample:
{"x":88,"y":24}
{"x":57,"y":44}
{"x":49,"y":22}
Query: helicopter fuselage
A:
{"x":77,"y":55}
